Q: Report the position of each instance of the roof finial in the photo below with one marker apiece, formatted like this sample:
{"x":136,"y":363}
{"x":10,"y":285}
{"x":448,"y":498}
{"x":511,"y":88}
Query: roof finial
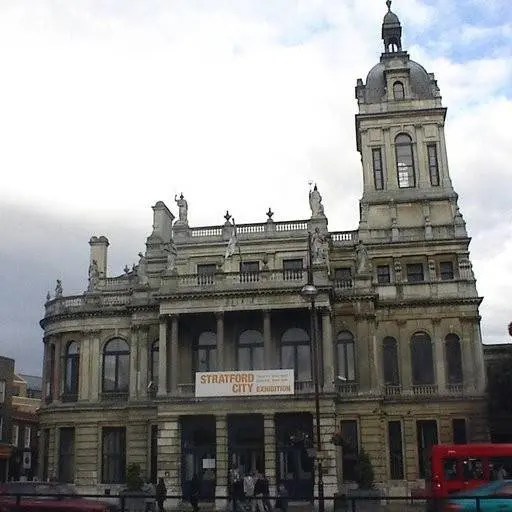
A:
{"x":388,"y":3}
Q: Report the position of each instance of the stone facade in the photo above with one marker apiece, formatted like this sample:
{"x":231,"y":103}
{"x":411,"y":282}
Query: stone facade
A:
{"x":396,"y":316}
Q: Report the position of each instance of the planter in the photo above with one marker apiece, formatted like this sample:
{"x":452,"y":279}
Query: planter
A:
{"x":367,"y":500}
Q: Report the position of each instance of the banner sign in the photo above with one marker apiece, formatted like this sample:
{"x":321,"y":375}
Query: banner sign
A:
{"x":245,"y":383}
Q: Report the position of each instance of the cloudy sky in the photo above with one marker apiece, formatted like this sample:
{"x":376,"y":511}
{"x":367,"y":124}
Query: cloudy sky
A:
{"x":107,"y":106}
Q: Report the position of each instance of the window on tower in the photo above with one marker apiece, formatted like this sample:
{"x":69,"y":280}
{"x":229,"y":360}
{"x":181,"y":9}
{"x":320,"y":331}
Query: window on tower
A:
{"x":398,"y":91}
{"x":378,"y":176}
{"x":405,"y":161}
{"x":433,"y":165}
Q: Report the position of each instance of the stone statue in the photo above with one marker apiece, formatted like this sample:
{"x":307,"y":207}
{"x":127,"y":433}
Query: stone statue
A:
{"x":318,"y":248}
{"x":141,"y":270}
{"x":171,"y":259}
{"x":362,"y":259}
{"x":94,"y":275}
{"x":182,"y":209}
{"x":48,"y":297}
{"x":58,"y":289}
{"x":315,"y":203}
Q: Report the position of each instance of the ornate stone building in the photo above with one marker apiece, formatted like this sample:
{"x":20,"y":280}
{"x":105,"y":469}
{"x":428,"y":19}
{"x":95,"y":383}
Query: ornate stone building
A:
{"x":398,"y":327}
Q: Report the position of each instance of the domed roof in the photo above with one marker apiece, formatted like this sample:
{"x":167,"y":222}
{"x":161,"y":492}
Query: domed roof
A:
{"x":419,"y":81}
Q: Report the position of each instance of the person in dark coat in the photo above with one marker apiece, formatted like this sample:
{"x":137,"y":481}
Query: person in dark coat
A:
{"x":193,"y":492}
{"x":161,"y":494}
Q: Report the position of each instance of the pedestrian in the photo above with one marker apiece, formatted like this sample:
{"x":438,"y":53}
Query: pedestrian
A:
{"x":193,"y":493}
{"x":282,"y":498}
{"x":161,"y":494}
{"x":149,"y":501}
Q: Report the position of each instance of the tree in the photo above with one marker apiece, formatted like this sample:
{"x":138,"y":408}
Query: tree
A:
{"x":133,"y":478}
{"x":364,"y":471}
{"x":510,"y":328}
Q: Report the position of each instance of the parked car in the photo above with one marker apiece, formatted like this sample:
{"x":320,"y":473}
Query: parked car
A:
{"x":42,"y":496}
{"x":496,"y":496}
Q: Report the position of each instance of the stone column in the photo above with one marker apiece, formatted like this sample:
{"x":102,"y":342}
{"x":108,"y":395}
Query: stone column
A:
{"x":134,"y":362}
{"x":95,"y":365}
{"x":405,"y":358}
{"x":46,"y":368}
{"x":143,"y":342}
{"x":221,"y":462}
{"x":362,"y":355}
{"x":162,"y":357}
{"x":439,"y":358}
{"x":327,"y":350}
{"x":269,"y":429}
{"x":466,"y":347}
{"x":169,"y":458}
{"x":57,"y":366}
{"x":267,"y":341}
{"x":83,"y":370}
{"x":480,"y":378}
{"x":174,"y":354}
{"x":221,"y":363}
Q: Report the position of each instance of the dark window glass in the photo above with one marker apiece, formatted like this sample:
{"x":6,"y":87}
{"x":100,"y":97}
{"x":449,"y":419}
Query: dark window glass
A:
{"x":383,"y":274}
{"x":116,"y":367}
{"x":446,"y":270}
{"x":346,"y":356}
{"x":472,"y":468}
{"x":390,"y":361}
{"x":113,"y":455}
{"x":453,"y":359}
{"x":46,"y":453}
{"x":249,"y":271}
{"x":422,"y":359}
{"x":426,"y":431}
{"x":206,"y":352}
{"x":296,"y":353}
{"x":415,"y":273}
{"x":378,"y":174}
{"x":153,"y":377}
{"x":350,"y":451}
{"x":433,"y":166}
{"x":66,"y":466}
{"x":460,"y":435}
{"x":405,"y":161}
{"x":206,"y":274}
{"x":396,"y":456}
{"x":450,"y":469}
{"x":292,"y":269}
{"x":72,"y":369}
{"x":398,"y":91}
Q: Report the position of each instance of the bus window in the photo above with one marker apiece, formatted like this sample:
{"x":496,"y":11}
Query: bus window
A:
{"x":500,"y":468}
{"x":472,"y":468}
{"x":450,"y":469}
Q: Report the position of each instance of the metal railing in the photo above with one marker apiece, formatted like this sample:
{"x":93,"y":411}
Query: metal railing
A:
{"x":372,"y":500}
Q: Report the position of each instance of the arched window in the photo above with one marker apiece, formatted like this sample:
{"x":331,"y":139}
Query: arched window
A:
{"x":345,"y":356}
{"x":71,"y":371}
{"x":398,"y":91}
{"x":116,"y":367}
{"x":250,"y":351}
{"x":404,"y":161}
{"x":154,"y":364}
{"x":296,"y":353}
{"x":390,"y":362}
{"x":206,"y":352}
{"x":453,"y":359}
{"x":422,"y":361}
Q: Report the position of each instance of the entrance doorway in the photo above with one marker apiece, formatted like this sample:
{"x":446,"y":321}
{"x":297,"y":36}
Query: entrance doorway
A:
{"x":246,"y":442}
{"x":198,"y":448}
{"x":294,"y":437}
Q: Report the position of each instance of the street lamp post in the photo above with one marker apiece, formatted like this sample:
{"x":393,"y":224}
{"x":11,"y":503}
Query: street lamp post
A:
{"x":309,"y":292}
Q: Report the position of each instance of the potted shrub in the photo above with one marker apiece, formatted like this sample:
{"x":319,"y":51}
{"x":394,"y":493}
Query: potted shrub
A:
{"x":134,"y":483}
{"x":364,"y":476}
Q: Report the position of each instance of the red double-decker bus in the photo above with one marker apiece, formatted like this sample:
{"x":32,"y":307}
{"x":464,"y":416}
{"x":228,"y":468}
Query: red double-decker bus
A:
{"x":456,"y":467}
